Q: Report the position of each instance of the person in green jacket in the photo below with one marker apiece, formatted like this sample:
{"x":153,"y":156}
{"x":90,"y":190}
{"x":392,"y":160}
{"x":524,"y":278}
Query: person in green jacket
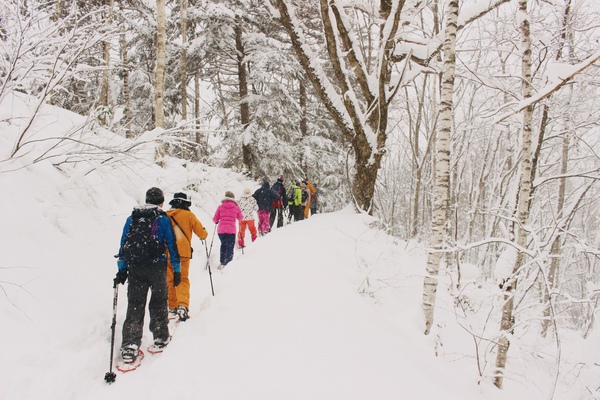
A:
{"x":294,"y":195}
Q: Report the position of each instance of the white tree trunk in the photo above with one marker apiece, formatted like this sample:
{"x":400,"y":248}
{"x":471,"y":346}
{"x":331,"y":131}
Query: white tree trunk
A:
{"x":523,"y":201}
{"x":442,"y":170}
{"x":159,"y":83}
{"x":184,"y":6}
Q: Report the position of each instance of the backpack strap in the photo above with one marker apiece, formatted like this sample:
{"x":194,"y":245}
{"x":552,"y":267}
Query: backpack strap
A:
{"x":179,"y":226}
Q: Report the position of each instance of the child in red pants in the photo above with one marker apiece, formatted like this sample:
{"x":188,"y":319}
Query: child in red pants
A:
{"x":249,"y":207}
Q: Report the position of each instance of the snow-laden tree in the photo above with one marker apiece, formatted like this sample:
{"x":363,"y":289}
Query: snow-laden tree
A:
{"x":274,"y":125}
{"x":358,"y":57}
{"x":47,"y":54}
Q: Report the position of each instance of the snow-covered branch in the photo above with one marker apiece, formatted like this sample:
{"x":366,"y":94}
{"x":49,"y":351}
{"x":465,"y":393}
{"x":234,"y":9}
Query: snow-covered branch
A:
{"x":567,"y":73}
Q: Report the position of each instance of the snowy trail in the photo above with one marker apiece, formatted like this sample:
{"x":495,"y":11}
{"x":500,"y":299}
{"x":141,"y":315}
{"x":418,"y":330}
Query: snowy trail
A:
{"x":290,"y":329}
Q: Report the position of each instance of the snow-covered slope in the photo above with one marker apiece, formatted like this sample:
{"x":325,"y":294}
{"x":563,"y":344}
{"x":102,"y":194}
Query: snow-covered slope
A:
{"x":327,"y":308}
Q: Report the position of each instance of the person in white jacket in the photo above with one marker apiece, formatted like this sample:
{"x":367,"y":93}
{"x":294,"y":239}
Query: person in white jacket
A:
{"x":249,"y":209}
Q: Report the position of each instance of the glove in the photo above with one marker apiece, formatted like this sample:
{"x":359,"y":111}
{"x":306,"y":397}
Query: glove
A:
{"x":121,"y":277}
{"x":176,"y":278}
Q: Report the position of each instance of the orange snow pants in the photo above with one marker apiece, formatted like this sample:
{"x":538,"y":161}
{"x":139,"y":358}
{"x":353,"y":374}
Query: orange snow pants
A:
{"x":180,"y":295}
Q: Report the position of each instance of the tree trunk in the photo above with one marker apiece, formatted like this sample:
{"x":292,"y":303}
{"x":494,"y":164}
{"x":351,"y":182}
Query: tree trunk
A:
{"x":184,"y":6}
{"x":159,"y":84}
{"x":198,"y":138}
{"x":442,"y":175}
{"x":303,"y":123}
{"x":186,"y":132}
{"x":126,"y":91}
{"x":247,"y":158}
{"x":103,"y":117}
{"x":523,"y":201}
{"x":556,"y":247}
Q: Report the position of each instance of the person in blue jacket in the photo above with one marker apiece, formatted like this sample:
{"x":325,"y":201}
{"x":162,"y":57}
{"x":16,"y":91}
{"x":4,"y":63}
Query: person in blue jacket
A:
{"x":151,"y":273}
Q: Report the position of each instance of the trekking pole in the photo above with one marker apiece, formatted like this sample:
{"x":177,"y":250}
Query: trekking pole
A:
{"x":110,"y":376}
{"x":208,"y":259}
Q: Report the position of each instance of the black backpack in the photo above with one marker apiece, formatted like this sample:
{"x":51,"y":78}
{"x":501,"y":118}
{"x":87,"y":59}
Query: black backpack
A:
{"x":291,"y":195}
{"x":304,"y":196}
{"x":141,"y":244}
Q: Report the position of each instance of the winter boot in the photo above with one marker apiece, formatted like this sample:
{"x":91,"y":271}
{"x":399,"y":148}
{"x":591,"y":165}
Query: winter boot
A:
{"x":241,"y":243}
{"x":129,"y":353}
{"x":182,"y":313}
{"x":254,"y":237}
{"x":161,"y":344}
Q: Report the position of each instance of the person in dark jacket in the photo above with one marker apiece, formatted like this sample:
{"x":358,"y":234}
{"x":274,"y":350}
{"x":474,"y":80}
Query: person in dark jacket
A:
{"x":280,"y":204}
{"x":148,"y":275}
{"x":264,"y":198}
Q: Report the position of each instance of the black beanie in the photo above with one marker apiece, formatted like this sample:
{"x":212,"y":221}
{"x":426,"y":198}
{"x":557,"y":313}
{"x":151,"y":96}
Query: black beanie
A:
{"x":155,"y":196}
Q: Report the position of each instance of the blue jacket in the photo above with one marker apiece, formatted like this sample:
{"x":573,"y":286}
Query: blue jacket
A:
{"x":165,"y":235}
{"x":265,"y":197}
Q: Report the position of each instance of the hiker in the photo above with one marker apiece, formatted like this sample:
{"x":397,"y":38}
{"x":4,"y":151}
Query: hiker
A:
{"x":294,"y":196}
{"x":184,"y":222}
{"x":264,"y":198}
{"x":314,"y":201}
{"x":226,"y":215}
{"x":310,"y":190}
{"x":280,"y":204}
{"x":248,"y":206}
{"x":146,"y":235}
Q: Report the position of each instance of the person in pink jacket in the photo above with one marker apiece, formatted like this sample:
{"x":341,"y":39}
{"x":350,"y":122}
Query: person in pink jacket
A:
{"x":226,"y":216}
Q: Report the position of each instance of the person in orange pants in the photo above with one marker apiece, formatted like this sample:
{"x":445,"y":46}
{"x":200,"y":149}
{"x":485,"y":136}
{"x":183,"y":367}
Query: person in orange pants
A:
{"x":249,"y":208}
{"x":184,"y":223}
{"x":310,"y":189}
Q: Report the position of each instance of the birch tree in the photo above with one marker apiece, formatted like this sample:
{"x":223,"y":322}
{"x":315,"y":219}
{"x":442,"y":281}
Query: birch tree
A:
{"x":184,"y":40}
{"x":159,"y":94}
{"x":523,"y":199}
{"x":442,"y":171}
{"x":161,"y":43}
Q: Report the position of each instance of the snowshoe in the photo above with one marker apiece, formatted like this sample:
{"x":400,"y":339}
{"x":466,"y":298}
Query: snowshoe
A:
{"x":158,"y":346}
{"x":182,"y":313}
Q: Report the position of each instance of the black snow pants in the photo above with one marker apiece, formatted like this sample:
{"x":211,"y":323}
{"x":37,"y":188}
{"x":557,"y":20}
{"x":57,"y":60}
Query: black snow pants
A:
{"x":142,"y":278}
{"x":276,"y":213}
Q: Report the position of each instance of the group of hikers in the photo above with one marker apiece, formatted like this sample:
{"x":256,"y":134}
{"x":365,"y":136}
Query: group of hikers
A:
{"x":156,"y":249}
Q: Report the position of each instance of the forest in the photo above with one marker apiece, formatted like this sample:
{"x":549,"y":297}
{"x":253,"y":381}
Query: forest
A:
{"x":470,"y":126}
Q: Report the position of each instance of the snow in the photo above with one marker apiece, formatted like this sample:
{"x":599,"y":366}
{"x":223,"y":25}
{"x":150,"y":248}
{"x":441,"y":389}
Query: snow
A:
{"x":327,"y":308}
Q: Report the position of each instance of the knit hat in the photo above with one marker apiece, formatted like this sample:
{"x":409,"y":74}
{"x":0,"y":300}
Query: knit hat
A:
{"x":155,"y":196}
{"x":180,"y":198}
{"x":280,"y":178}
{"x":229,"y":194}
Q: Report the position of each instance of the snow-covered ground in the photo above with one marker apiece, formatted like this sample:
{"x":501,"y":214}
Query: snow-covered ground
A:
{"x":327,"y":308}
